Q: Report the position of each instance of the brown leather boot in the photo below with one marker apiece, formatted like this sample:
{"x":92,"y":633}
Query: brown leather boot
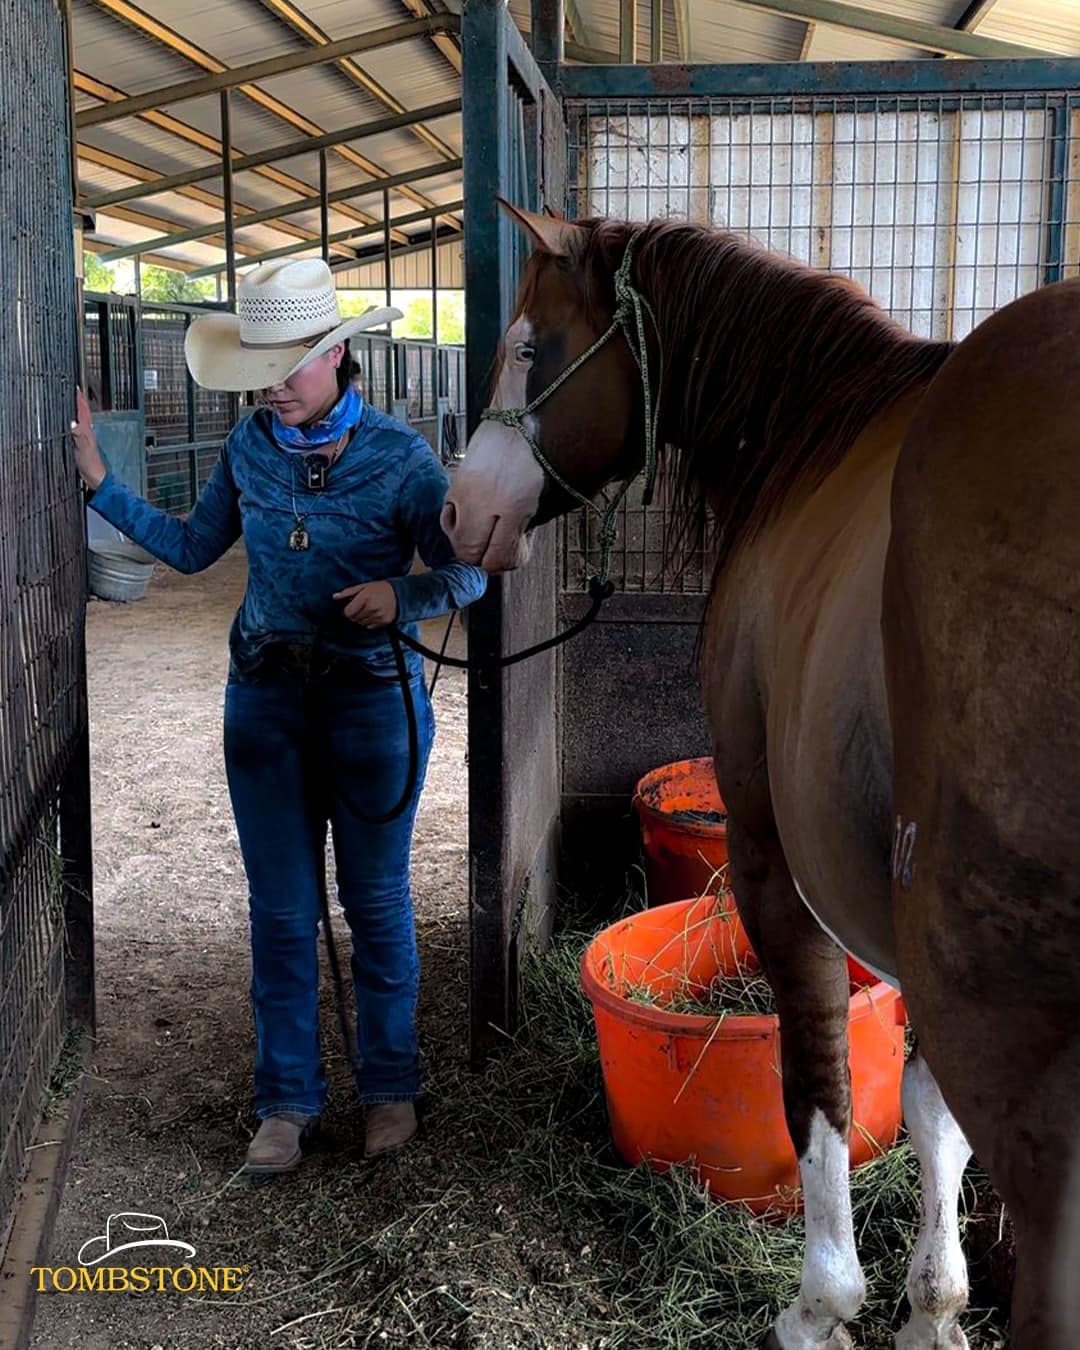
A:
{"x":276,"y":1146}
{"x":388,"y":1126}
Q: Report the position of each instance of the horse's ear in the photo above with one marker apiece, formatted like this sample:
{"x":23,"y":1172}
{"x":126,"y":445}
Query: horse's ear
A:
{"x":548,"y":234}
{"x":552,"y":214}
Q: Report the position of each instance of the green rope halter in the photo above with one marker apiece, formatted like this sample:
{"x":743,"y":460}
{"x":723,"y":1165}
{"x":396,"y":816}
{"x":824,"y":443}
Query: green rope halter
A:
{"x":630,"y":310}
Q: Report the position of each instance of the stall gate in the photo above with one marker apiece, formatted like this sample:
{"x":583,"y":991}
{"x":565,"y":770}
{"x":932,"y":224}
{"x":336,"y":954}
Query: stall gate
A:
{"x":46,"y":970}
{"x":945,"y":187}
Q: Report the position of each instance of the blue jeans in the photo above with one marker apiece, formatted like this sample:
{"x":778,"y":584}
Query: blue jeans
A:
{"x":301,"y":752}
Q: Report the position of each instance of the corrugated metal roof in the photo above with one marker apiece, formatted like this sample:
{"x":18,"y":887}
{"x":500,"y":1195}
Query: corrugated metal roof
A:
{"x":743,"y":34}
{"x":112,"y":51}
{"x":1053,"y":24}
{"x":831,"y":44}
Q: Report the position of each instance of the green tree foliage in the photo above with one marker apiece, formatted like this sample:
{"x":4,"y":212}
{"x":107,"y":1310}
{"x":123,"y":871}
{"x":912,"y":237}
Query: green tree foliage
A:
{"x":162,"y":283}
{"x":97,"y":276}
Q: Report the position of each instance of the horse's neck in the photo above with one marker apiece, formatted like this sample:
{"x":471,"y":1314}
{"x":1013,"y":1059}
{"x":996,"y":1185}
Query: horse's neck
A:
{"x":763,"y":414}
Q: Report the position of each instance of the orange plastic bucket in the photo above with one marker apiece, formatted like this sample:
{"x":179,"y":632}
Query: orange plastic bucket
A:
{"x":683,"y":829}
{"x":706,"y":1091}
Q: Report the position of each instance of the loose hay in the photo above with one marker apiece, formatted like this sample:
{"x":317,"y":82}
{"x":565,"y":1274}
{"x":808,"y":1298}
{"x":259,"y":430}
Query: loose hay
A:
{"x":745,"y":993}
{"x":518,"y":1226}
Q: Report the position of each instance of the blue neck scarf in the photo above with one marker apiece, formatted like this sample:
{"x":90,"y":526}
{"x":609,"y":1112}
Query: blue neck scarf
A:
{"x":345,"y":413}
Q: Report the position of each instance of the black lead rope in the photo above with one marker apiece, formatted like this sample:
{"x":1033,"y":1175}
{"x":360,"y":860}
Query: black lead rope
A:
{"x":599,"y":591}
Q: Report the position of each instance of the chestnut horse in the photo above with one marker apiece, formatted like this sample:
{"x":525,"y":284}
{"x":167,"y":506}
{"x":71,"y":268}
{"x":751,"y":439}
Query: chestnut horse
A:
{"x":892,"y":680}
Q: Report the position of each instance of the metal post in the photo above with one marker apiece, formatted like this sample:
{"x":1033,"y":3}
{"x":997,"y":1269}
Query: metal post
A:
{"x":548,"y":32}
{"x":324,"y":208}
{"x":627,"y":32}
{"x":189,"y":390}
{"x":227,"y":185}
{"x":388,"y":281}
{"x":656,"y":32}
{"x":76,"y":846}
{"x":1054,"y":269}
{"x":434,"y":284}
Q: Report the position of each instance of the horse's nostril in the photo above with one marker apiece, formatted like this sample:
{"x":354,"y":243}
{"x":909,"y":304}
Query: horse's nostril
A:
{"x":449,"y":516}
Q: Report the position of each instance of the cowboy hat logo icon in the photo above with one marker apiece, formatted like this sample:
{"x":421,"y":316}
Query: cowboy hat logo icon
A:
{"x":122,"y":1226}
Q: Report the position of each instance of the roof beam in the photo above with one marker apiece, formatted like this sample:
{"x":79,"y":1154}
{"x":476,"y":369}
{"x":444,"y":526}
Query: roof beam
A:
{"x":976,"y":11}
{"x":146,"y":222}
{"x":292,"y":148}
{"x":92,"y":155}
{"x":289,"y":14}
{"x":231,"y":78}
{"x":161,"y":33}
{"x":682,"y":29}
{"x":87,"y":84}
{"x":396,"y":223}
{"x":590,"y":56}
{"x":575,"y":22}
{"x":305,"y":204}
{"x":931,"y":36}
{"x":445,"y":39}
{"x":807,"y":41}
{"x":155,"y":260}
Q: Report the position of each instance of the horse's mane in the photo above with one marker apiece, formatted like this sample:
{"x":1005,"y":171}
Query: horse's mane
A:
{"x":771,"y":370}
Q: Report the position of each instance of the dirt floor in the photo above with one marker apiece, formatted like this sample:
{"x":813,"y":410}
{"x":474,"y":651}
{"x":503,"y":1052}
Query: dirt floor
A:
{"x":509,"y":1224}
{"x":169,"y":1113}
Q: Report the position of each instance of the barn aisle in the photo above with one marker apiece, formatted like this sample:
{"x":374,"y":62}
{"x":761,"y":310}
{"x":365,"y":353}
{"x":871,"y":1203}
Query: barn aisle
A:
{"x":168,"y":1115}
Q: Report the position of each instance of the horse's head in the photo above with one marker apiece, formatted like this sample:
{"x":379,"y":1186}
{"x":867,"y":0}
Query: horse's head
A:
{"x":585,"y":429}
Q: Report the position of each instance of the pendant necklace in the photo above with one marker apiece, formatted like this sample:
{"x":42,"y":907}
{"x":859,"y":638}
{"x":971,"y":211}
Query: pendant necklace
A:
{"x":317,"y":467}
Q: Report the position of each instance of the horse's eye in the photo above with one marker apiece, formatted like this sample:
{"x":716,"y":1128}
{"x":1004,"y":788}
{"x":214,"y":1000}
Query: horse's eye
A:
{"x":525,"y":351}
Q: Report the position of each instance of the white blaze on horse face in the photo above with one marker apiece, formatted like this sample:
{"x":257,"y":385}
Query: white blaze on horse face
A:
{"x":937,"y":1282}
{"x":496,"y":489}
{"x":832,"y":1288}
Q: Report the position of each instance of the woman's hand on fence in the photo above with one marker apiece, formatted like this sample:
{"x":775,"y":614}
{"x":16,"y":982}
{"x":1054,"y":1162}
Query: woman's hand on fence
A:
{"x":373,"y":604}
{"x":88,"y":459}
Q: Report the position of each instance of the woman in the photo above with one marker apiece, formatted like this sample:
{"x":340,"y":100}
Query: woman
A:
{"x":332,"y":498}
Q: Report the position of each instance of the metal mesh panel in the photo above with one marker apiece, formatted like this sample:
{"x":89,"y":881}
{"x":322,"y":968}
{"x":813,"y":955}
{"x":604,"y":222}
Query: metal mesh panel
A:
{"x":413,"y":391}
{"x":455,"y":378}
{"x":944,"y":208}
{"x":165,"y":392}
{"x":42,"y":567}
{"x":427,"y":382}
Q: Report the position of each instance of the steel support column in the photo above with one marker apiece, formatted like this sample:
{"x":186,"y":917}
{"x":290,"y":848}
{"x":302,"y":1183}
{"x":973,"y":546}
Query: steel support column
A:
{"x":324,"y":208}
{"x":227,"y":193}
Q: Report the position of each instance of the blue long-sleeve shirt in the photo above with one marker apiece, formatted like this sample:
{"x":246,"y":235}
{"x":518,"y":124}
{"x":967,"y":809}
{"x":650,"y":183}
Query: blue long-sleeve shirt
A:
{"x":382,"y":502}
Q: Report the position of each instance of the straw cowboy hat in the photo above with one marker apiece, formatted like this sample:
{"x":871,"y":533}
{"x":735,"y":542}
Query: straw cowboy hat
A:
{"x":288,"y":315}
{"x":152,"y":1230}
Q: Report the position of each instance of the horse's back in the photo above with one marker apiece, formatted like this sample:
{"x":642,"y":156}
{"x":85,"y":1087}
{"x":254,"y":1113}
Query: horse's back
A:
{"x":981,"y":595}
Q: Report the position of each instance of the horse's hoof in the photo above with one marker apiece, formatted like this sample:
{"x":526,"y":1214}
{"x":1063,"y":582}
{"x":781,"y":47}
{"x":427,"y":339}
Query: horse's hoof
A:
{"x":921,"y":1335}
{"x":839,"y":1340}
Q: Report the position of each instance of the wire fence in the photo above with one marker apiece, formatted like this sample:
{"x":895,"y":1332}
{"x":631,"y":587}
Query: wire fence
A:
{"x":134,"y":358}
{"x":944,"y":207}
{"x":42,"y":569}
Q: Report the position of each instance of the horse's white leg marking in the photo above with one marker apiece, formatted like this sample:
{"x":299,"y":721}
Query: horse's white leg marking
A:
{"x":938,"y":1281}
{"x":832,"y":1287}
